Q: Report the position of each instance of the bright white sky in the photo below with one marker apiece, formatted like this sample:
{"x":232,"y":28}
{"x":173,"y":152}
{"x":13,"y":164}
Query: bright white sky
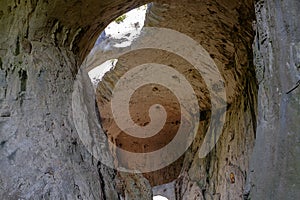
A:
{"x":130,"y":28}
{"x":158,"y":197}
{"x":126,"y":32}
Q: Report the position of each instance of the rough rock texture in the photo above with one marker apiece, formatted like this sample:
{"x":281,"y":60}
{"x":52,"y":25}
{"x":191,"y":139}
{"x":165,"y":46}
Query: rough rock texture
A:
{"x":41,"y":156}
{"x":229,"y":44}
{"x":140,"y":103}
{"x":275,"y":163}
{"x":43,"y":44}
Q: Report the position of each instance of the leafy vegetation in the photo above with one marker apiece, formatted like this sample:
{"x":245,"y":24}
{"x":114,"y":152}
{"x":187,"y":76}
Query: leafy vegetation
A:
{"x":120,"y":19}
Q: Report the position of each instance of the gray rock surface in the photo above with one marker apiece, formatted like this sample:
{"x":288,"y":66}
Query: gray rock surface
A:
{"x":42,"y":47}
{"x":275,"y":163}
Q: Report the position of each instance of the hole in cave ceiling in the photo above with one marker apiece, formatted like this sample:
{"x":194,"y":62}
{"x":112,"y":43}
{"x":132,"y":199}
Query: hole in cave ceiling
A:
{"x":159,"y":197}
{"x":119,"y":33}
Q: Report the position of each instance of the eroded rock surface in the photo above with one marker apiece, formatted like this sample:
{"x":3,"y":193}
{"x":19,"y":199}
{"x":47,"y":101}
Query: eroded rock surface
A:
{"x":231,"y":50}
{"x":275,"y":163}
{"x":42,"y":46}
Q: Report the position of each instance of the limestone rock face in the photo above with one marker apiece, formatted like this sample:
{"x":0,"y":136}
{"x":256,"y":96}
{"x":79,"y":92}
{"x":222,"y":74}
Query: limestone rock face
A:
{"x":42,"y":46}
{"x":275,"y":163}
{"x":41,"y":154}
{"x":198,"y":178}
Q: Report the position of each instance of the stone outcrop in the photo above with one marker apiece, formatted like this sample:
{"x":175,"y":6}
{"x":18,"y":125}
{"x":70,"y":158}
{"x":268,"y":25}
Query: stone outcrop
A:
{"x":42,"y":46}
{"x":231,"y":50}
{"x":275,"y":164}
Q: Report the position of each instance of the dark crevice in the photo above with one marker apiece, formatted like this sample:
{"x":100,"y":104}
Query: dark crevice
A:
{"x":1,"y":68}
{"x":2,"y":143}
{"x":102,"y":181}
{"x":17,"y":50}
{"x":23,"y":79}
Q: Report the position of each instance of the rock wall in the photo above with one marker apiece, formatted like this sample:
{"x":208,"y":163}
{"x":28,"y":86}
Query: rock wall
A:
{"x":231,"y":50}
{"x":41,"y":155}
{"x":275,"y":164}
{"x":42,"y":46}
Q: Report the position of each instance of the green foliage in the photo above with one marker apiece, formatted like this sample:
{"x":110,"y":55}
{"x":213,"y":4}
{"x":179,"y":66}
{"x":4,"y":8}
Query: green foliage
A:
{"x":120,"y":19}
